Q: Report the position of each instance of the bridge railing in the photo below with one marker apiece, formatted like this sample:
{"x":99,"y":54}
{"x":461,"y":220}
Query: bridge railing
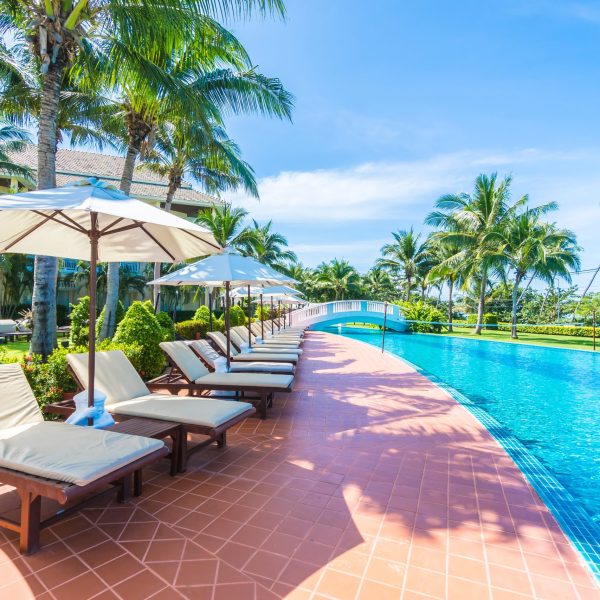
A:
{"x":316,"y":312}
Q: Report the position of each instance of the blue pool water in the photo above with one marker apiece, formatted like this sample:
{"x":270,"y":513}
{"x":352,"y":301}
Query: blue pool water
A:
{"x":548,"y":398}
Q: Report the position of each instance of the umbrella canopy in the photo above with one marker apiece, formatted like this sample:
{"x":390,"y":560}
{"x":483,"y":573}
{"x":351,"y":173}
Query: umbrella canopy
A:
{"x":280,"y":290}
{"x":242,"y":292}
{"x":225,"y":269}
{"x":285,"y":299}
{"x":93,"y":221}
{"x":226,"y":266}
{"x":58,"y":222}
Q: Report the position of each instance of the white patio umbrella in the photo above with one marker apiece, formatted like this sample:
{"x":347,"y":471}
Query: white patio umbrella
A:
{"x":226,"y":268}
{"x":276,"y":292}
{"x":93,"y":221}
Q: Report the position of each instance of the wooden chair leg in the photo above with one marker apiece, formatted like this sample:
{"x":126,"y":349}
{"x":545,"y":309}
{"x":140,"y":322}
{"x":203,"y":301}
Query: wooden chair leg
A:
{"x":175,"y":447}
{"x":262,"y":405}
{"x":138,"y":482}
{"x":124,"y":489}
{"x":31,"y":505}
{"x":222,"y":440}
{"x":182,"y":450}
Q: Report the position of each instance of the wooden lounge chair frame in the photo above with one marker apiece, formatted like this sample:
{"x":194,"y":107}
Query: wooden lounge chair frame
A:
{"x":175,"y":381}
{"x":31,"y":489}
{"x":212,"y":369}
{"x":214,"y":434}
{"x":275,"y":357}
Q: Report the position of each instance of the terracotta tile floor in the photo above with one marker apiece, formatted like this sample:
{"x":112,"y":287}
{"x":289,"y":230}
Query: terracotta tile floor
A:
{"x":367,"y":483}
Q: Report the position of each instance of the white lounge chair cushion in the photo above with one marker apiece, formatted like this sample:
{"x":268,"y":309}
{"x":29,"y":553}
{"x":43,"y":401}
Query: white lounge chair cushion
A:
{"x":115,"y":375}
{"x":185,"y":359}
{"x":70,"y":453}
{"x":261,"y":367}
{"x":190,"y":411}
{"x":8,"y":326}
{"x":266,"y":357}
{"x":284,"y":349}
{"x":18,"y":405}
{"x":247,"y":380}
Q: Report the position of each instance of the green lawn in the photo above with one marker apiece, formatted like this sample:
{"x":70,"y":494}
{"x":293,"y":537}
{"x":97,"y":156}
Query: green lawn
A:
{"x":14,"y":349}
{"x":559,"y":341}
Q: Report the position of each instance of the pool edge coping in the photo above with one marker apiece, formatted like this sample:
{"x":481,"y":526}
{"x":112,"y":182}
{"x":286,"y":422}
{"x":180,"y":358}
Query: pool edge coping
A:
{"x":563,"y":506}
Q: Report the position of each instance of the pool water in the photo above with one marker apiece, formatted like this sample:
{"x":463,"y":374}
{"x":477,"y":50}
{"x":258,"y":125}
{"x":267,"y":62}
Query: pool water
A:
{"x":548,"y":398}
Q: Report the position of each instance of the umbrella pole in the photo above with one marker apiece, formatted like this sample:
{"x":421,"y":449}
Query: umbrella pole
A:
{"x":249,"y":320}
{"x":94,"y":236}
{"x":262,"y":319}
{"x":227,"y":325}
{"x":272,"y":317}
{"x":210,"y":309}
{"x":278,"y":315}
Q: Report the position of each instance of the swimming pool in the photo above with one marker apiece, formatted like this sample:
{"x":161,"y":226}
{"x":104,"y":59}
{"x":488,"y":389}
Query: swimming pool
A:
{"x":548,"y":398}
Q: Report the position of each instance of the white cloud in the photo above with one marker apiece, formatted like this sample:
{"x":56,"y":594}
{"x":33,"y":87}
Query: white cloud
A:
{"x":350,"y":212}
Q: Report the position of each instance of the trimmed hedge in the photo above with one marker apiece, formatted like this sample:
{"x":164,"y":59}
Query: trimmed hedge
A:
{"x":551,"y":329}
{"x":140,"y":326}
{"x":192,"y":329}
{"x":541,"y":329}
{"x":167,"y":326}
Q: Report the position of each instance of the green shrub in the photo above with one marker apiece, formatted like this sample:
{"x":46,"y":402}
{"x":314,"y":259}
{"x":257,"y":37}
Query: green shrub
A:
{"x":236,"y":316}
{"x":80,"y":317}
{"x":118,"y":317}
{"x":266,"y":312}
{"x":140,"y":326}
{"x":167,"y":326}
{"x":191,"y":330}
{"x":490,"y":320}
{"x":202,"y":314}
{"x":422,"y":317}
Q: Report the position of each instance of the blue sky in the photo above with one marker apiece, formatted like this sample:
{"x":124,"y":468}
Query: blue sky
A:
{"x":398,"y":102}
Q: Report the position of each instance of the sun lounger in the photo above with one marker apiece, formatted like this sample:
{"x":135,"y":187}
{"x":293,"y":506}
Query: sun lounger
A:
{"x":239,"y":342}
{"x":270,"y":343}
{"x":59,"y":461}
{"x":257,"y":330}
{"x":210,"y":356}
{"x":188,"y":372}
{"x":236,"y":356}
{"x":127,"y":396}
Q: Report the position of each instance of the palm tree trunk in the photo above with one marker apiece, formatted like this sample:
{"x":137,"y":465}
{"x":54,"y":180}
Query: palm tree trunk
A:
{"x":408,"y":286}
{"x":168,"y":205}
{"x":515,"y":294}
{"x":450,"y":290}
{"x":481,"y":304}
{"x":43,"y":301}
{"x":112,"y":272}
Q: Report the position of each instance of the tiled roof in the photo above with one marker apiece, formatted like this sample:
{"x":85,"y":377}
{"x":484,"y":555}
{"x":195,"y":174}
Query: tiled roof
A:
{"x":73,"y":165}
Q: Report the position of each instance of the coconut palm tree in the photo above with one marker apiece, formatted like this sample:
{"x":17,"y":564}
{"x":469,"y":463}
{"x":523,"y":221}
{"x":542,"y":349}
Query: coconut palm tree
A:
{"x":338,"y":276}
{"x":196,"y":91}
{"x":531,"y":247}
{"x":68,"y":34}
{"x":447,"y":269}
{"x":404,"y":257}
{"x":82,"y":114}
{"x":266,"y":245}
{"x":12,"y":139}
{"x":226,"y":223}
{"x":379,"y":285}
{"x":474,"y":223}
{"x":184,"y":149}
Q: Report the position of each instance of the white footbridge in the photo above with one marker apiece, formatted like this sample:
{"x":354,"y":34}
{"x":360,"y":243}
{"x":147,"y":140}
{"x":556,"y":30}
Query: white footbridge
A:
{"x":350,"y":311}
